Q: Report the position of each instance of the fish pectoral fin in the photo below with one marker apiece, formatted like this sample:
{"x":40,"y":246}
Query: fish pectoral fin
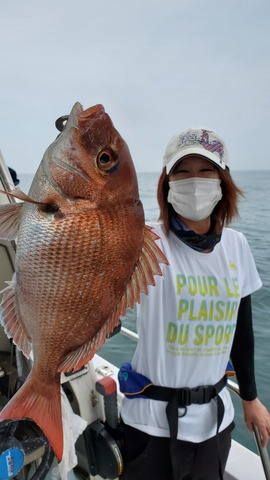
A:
{"x":18,"y":193}
{"x":80,"y":357}
{"x":11,"y":322}
{"x":10,"y":216}
{"x":142,"y":276}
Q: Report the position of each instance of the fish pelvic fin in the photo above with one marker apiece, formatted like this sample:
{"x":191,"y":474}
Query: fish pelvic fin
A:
{"x":143,"y":275}
{"x":11,"y":322}
{"x":10,"y":217}
{"x":42,"y":404}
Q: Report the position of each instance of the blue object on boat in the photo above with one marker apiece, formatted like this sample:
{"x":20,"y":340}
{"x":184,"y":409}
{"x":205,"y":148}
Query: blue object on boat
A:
{"x":132,"y":384}
{"x":11,"y":462}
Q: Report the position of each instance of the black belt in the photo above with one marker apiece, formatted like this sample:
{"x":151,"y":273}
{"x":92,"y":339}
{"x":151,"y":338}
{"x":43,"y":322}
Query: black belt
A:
{"x":182,"y":398}
{"x":186,"y":396}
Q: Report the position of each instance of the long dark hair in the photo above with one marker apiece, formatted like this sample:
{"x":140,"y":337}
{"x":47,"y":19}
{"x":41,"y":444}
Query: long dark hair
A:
{"x":224,"y":212}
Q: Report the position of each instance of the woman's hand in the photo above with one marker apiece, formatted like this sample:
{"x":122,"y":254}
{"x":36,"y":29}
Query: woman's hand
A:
{"x":256,"y":414}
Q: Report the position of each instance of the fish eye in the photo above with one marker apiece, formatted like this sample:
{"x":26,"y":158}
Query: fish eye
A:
{"x":104,"y":158}
{"x":107,"y":160}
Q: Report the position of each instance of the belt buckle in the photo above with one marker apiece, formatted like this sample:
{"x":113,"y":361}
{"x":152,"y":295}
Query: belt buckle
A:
{"x":184,"y":399}
{"x":199,"y":395}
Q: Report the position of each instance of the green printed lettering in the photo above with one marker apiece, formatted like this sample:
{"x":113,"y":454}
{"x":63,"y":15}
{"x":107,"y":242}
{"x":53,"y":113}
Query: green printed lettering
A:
{"x":180,"y":282}
{"x":198,"y":332}
{"x":192,"y":286}
{"x":209,"y":333}
{"x":211,"y":310}
{"x":233,"y":309}
{"x":203,"y":334}
{"x":213,"y":290}
{"x":171,"y":332}
{"x":182,"y":307}
{"x":227,"y":333}
{"x":191,"y":316}
{"x":228,"y":308}
{"x":219,"y":334}
{"x":227,"y":288}
{"x":236,"y":288}
{"x":219,"y":310}
{"x":203,"y":311}
{"x":183,"y":335}
{"x":202,"y":285}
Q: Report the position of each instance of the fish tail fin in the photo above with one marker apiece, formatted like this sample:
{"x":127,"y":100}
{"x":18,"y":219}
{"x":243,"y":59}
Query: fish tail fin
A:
{"x":42,"y":404}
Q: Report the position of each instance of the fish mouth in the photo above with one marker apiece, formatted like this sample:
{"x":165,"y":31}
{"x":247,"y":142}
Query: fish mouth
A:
{"x":83,"y":116}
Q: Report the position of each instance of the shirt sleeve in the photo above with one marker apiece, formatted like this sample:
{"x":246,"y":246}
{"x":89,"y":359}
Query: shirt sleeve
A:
{"x":242,"y":353}
{"x":252,"y":280}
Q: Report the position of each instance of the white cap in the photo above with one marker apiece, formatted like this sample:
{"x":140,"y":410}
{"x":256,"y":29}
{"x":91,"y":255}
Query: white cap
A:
{"x":196,"y":141}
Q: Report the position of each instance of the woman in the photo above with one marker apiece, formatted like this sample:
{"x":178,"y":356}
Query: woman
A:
{"x":196,"y":318}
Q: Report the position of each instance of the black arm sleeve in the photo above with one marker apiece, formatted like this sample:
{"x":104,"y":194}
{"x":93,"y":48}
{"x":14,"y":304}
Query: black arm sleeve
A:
{"x":242,"y":353}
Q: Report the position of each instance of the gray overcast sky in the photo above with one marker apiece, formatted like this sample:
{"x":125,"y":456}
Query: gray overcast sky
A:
{"x":157,"y":67}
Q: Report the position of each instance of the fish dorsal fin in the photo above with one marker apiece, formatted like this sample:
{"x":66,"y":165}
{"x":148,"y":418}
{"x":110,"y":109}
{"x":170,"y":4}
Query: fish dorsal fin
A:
{"x":10,"y":321}
{"x":10,"y":216}
{"x":142,"y":276}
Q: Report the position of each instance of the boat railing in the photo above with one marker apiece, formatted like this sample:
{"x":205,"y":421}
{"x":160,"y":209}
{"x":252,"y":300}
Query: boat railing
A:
{"x":233,"y":387}
{"x":5,"y":178}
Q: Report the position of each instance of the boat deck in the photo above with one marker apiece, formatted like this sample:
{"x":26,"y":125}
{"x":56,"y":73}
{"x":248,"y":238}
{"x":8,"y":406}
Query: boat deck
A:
{"x":243,"y":464}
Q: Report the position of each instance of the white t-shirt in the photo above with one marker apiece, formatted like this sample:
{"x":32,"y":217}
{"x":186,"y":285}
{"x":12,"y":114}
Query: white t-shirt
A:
{"x":186,"y":326}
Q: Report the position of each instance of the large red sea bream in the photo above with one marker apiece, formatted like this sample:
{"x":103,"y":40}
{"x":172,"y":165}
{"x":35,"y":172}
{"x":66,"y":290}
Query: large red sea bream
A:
{"x":83,"y":255}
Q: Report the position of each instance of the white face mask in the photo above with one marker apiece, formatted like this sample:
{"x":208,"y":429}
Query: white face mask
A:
{"x":194,"y":198}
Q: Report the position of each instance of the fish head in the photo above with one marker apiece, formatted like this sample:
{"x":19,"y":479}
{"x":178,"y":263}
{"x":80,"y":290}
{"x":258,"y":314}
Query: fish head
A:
{"x":90,"y":161}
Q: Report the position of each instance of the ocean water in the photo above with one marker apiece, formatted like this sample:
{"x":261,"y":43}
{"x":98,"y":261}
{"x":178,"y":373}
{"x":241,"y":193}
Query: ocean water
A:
{"x":254,"y":223}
